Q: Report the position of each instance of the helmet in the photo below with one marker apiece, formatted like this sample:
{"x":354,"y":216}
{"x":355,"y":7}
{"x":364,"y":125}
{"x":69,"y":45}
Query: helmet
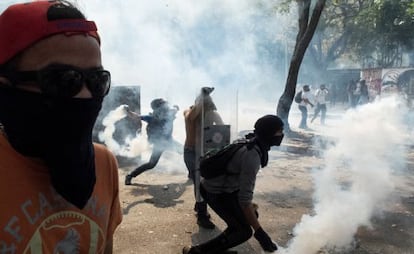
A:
{"x":207,"y":90}
{"x":156,"y":103}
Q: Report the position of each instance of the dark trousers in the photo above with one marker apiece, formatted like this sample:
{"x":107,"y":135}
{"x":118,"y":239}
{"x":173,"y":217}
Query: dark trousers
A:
{"x":304,"y":119}
{"x":190,"y":162}
{"x":157,"y":151}
{"x":226,"y":205}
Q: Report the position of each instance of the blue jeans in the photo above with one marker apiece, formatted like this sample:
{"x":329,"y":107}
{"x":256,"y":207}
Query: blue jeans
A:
{"x":190,"y":162}
{"x":304,"y":119}
{"x":320,"y":108}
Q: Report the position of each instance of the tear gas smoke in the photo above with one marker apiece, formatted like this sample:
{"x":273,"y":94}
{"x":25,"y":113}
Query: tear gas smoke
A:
{"x":173,"y":48}
{"x":133,"y":147}
{"x":356,"y":180}
{"x":138,"y":145}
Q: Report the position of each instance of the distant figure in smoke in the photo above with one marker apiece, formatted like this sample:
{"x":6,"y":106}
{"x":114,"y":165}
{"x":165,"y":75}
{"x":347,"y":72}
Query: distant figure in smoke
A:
{"x":192,"y":147}
{"x":352,"y":94}
{"x":231,"y":195}
{"x":159,"y":131}
{"x":333,"y":94}
{"x":306,"y":100}
{"x":320,"y":97}
{"x":363,"y":95}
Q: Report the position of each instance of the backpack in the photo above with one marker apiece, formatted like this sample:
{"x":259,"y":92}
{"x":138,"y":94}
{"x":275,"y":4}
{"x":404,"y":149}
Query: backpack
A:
{"x":214,"y":162}
{"x":298,"y":97}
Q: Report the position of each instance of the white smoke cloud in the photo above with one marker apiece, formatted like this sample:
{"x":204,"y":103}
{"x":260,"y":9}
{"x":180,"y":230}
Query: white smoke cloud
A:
{"x":138,"y":146}
{"x":356,"y":180}
{"x":172,"y":48}
{"x":133,"y":146}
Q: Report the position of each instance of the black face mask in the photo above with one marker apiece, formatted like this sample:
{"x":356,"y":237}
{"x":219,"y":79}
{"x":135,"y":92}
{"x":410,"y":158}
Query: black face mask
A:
{"x":57,"y":130}
{"x":276,"y":140}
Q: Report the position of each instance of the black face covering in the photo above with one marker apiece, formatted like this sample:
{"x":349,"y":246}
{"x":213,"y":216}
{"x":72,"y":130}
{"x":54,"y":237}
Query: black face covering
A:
{"x":276,"y":140}
{"x":265,"y":143}
{"x":58,"y":130}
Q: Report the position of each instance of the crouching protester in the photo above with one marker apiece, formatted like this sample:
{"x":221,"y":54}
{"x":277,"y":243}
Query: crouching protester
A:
{"x":231,"y":195}
{"x":58,"y":191}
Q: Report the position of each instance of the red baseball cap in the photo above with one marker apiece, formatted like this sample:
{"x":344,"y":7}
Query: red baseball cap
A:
{"x":22,"y":25}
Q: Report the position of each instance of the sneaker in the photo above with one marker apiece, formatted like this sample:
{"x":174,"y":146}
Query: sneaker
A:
{"x":205,"y":222}
{"x":186,"y":250}
{"x":128,"y":179}
{"x":190,"y":175}
{"x":191,"y":250}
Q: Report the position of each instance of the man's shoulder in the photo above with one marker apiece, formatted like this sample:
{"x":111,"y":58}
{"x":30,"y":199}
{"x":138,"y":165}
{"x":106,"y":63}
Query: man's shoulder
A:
{"x":306,"y":95}
{"x":100,"y":147}
{"x":249,"y":149}
{"x":102,"y":151}
{"x":187,"y":112}
{"x":191,"y":114}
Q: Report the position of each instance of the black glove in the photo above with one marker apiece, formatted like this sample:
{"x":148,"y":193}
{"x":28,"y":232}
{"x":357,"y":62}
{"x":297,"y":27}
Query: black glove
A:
{"x":256,"y":208}
{"x":263,"y":238}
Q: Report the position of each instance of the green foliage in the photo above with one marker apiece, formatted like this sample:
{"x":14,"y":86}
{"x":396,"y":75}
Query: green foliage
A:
{"x":371,"y":32}
{"x":283,"y":6}
{"x":333,"y":34}
{"x":382,"y":32}
{"x":374,"y":33}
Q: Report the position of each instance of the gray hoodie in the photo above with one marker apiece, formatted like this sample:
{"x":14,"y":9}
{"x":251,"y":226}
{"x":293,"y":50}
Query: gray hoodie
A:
{"x":243,"y":168}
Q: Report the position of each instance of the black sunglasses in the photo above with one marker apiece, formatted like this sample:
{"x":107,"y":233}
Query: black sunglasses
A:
{"x":65,"y":81}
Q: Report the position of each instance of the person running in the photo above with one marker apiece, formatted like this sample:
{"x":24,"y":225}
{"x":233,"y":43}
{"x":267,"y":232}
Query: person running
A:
{"x":305,"y":101}
{"x":320,"y":97}
{"x":159,"y":131}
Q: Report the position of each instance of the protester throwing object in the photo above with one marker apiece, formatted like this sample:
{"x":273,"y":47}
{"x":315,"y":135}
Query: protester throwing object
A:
{"x":159,"y":131}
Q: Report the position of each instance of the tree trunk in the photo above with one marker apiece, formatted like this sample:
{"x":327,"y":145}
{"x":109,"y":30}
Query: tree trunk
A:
{"x":305,"y":34}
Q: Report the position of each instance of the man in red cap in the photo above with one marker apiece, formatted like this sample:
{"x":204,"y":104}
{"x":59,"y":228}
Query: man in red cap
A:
{"x":59,"y":191}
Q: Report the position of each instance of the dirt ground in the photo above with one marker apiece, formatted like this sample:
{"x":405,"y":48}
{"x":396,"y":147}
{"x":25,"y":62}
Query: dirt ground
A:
{"x":159,"y":217}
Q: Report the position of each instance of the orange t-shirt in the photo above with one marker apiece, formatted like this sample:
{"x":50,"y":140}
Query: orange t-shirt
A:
{"x":35,"y":219}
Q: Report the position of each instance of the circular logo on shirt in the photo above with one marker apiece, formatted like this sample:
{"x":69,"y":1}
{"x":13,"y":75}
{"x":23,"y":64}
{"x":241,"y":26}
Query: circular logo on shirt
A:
{"x":66,"y":232}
